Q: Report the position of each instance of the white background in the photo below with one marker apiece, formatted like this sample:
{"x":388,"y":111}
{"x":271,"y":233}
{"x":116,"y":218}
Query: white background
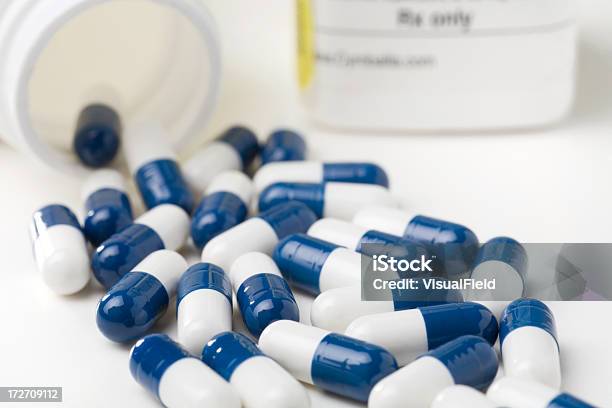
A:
{"x":550,"y":185}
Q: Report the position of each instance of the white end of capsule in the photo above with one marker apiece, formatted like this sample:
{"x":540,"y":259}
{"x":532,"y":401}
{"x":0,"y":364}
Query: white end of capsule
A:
{"x":344,"y":200}
{"x":461,"y":396}
{"x":289,"y":171}
{"x":518,"y":393}
{"x":100,"y":179}
{"x":170,"y":222}
{"x":166,"y":266}
{"x":215,"y":158}
{"x":338,"y":232}
{"x":235,"y":182}
{"x":251,"y":264}
{"x":385,"y":219}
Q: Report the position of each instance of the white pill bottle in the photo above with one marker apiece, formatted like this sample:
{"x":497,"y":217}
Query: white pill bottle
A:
{"x":436,"y":65}
{"x":156,"y":59}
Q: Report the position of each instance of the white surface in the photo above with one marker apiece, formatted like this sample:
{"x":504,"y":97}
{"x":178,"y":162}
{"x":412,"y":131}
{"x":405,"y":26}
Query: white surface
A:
{"x":336,"y":231}
{"x":291,"y":171}
{"x":531,"y":353}
{"x":235,"y":182}
{"x":390,"y":220}
{"x":249,"y":265}
{"x":202,"y":314}
{"x":516,"y":393}
{"x":101,"y":179}
{"x":341,"y":268}
{"x":544,"y":185}
{"x":422,"y":380}
{"x":206,"y":163}
{"x":145,"y":142}
{"x":459,"y":396}
{"x":262,"y":383}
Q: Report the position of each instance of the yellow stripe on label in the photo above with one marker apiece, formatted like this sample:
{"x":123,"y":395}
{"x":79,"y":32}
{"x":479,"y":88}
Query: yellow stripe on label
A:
{"x":305,"y":37}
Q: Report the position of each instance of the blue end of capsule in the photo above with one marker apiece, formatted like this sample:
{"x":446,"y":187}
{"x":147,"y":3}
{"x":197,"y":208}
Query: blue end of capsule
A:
{"x":506,"y":250}
{"x":161,"y":182}
{"x":150,"y":358}
{"x":123,"y":251}
{"x":244,"y":141}
{"x":50,"y":215}
{"x":448,"y":322}
{"x":313,"y":195}
{"x":350,"y":367}
{"x":526,"y":312}
{"x":108,"y":211}
{"x":567,"y":401}
{"x":263,"y":299}
{"x":470,"y":360}
{"x":97,"y":135}
{"x":131,"y":307}
{"x":366,"y":173}
{"x":289,"y":218}
{"x":283,"y":145}
{"x":301,"y":258}
{"x":203,"y":276}
{"x":217,"y":213}
{"x":226,"y":351}
{"x":454,"y":245}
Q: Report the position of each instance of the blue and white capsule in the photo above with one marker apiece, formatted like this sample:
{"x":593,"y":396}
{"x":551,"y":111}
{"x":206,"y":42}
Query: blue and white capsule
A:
{"x":337,"y":308}
{"x":235,"y":149}
{"x":528,"y":342}
{"x":60,"y":249}
{"x":512,"y":392}
{"x":260,"y":381}
{"x":503,"y":260}
{"x":155,"y":169}
{"x":163,"y":227}
{"x":263,"y":295}
{"x":462,"y":396}
{"x":283,"y":145}
{"x":224,"y":205}
{"x":467,"y":360}
{"x":317,"y":172}
{"x":258,"y":234}
{"x":133,"y":305}
{"x":330,"y":361}
{"x":454,"y":245}
{"x":335,"y":200}
{"x":107,"y":205}
{"x":203,"y":305}
{"x":177,"y":379}
{"x":97,"y":135}
{"x":409,"y":333}
{"x":368,"y":241}
{"x":315,"y":265}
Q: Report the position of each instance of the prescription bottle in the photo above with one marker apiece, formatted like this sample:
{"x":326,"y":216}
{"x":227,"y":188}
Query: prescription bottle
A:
{"x":436,"y":65}
{"x":157,"y":59}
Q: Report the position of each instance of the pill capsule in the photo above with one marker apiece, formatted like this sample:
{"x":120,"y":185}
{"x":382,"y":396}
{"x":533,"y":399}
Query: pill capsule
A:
{"x":154,"y":167}
{"x":315,"y":265}
{"x":262,"y":293}
{"x":60,"y":249}
{"x":163,"y":227}
{"x":339,"y":200}
{"x":454,"y":245}
{"x":468,"y":360}
{"x":504,"y":260}
{"x":528,"y":339}
{"x":330,"y":361}
{"x":258,"y":234}
{"x":366,"y":241}
{"x":514,"y":392}
{"x":97,"y":135}
{"x":283,"y":145}
{"x":203,"y":305}
{"x":260,"y":381}
{"x":107,"y":205}
{"x":317,"y":172}
{"x":409,"y":333}
{"x":177,"y":379}
{"x":235,"y":149}
{"x":132,"y":306}
{"x":461,"y":396}
{"x":336,"y":308}
{"x":225,"y":204}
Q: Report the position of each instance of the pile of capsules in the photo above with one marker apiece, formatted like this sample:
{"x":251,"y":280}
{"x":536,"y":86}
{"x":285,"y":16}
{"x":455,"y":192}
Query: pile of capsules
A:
{"x":313,"y":221}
